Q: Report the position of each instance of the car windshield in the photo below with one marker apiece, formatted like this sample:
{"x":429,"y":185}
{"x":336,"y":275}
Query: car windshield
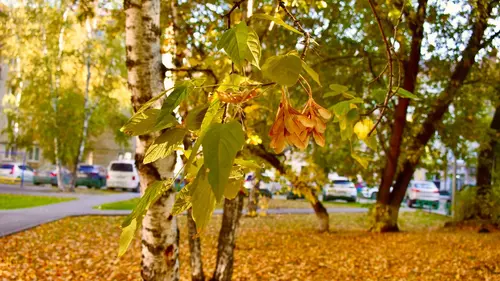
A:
{"x":425,"y":185}
{"x":86,"y":169}
{"x":344,"y":183}
{"x":24,"y":168}
{"x":122,"y":167}
{"x":6,"y":166}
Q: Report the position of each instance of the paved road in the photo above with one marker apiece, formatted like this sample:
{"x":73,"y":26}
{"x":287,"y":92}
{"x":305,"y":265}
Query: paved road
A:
{"x":12,"y":221}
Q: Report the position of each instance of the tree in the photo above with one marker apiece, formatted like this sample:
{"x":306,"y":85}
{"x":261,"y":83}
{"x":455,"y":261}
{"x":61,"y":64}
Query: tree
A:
{"x":145,"y":76}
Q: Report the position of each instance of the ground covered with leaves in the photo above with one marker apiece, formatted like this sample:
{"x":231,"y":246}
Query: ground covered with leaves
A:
{"x":284,"y":247}
{"x":264,"y":203}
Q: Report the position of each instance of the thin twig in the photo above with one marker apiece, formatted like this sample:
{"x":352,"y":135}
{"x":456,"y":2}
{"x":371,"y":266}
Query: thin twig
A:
{"x":296,"y":22}
{"x":195,"y":69}
{"x":388,"y":53}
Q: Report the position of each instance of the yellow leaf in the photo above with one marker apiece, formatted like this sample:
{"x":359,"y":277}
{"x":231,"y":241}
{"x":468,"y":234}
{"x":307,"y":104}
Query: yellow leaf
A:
{"x":362,"y":128}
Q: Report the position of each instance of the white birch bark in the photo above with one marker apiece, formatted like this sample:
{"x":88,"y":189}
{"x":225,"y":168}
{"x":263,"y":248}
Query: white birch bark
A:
{"x":159,"y":227}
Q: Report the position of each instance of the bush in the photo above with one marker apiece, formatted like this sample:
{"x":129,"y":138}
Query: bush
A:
{"x":469,"y":205}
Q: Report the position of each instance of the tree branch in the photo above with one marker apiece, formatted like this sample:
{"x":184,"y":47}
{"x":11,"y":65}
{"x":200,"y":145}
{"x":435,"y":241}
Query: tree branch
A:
{"x":388,"y":54}
{"x":296,"y":22}
{"x":195,"y":69}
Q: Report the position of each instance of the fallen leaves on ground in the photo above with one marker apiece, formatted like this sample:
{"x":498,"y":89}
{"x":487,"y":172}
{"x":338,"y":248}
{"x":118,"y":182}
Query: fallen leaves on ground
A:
{"x":284,"y":247}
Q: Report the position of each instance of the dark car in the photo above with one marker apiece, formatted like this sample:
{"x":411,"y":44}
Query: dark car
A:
{"x":91,"y":176}
{"x":262,"y":192}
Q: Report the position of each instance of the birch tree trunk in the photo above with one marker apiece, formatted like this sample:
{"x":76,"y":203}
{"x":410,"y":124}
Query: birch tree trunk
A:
{"x":194,"y":250}
{"x":55,"y":98}
{"x":86,"y":118}
{"x":145,"y":77}
{"x":227,"y":239}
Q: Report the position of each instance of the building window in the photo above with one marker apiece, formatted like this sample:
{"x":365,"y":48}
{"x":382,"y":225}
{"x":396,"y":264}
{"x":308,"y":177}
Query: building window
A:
{"x":10,"y":152}
{"x":33,"y":154}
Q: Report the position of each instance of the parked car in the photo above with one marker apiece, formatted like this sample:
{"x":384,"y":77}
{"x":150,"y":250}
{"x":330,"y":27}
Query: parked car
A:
{"x":340,"y":188}
{"x":16,"y":172}
{"x":123,"y":174}
{"x":369,"y":192}
{"x":422,"y":193}
{"x":48,"y":175}
{"x":293,"y":196}
{"x":91,"y":176}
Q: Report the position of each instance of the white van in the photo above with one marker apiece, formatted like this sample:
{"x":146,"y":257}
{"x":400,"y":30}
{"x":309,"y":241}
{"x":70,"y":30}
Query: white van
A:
{"x":123,"y":174}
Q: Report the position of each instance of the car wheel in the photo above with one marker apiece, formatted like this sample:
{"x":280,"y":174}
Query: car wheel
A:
{"x":325,"y":198}
{"x":374,"y":195}
{"x":137,"y":189}
{"x":409,"y":203}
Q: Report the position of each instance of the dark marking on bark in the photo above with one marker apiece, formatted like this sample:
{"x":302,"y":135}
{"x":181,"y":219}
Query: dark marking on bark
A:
{"x":128,"y":4}
{"x":152,"y":249}
{"x":170,"y":218}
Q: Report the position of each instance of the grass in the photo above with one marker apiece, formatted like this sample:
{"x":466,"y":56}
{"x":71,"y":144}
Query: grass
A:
{"x":14,"y":201}
{"x":279,"y":247}
{"x":120,"y":205}
{"x":271,"y":204}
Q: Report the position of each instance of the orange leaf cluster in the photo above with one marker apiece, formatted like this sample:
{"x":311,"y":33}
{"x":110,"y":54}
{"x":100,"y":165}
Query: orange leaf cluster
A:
{"x":295,"y":128}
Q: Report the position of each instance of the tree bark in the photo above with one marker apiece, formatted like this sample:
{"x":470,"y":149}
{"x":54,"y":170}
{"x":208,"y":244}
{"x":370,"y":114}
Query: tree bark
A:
{"x":194,"y":250}
{"x":485,"y":166}
{"x":145,"y":77}
{"x":322,"y":215}
{"x":86,"y":118}
{"x":319,"y":209}
{"x":441,"y":104}
{"x":227,"y":238}
{"x":253,"y":200}
{"x":55,"y":98}
{"x":411,"y":69}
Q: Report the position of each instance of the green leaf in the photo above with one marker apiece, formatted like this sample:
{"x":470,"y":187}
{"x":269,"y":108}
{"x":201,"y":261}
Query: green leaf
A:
{"x":338,"y":88}
{"x":346,"y":134}
{"x":277,"y":21}
{"x":232,"y":188}
{"x":379,"y":95}
{"x":283,"y":69}
{"x":352,"y":115}
{"x":183,"y":199}
{"x":232,"y":82}
{"x":341,"y":108}
{"x":195,"y":117}
{"x":213,"y":115}
{"x":406,"y":94}
{"x":220,"y":145}
{"x":363,"y":161}
{"x":152,"y":193}
{"x":203,"y":200}
{"x":126,"y":237}
{"x":165,"y":144}
{"x":180,"y":92}
{"x":247,"y":164}
{"x":150,"y":102}
{"x":240,"y":43}
{"x":314,"y":75}
{"x":371,"y":142}
{"x":254,"y":51}
{"x":331,"y":94}
{"x":145,"y":122}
